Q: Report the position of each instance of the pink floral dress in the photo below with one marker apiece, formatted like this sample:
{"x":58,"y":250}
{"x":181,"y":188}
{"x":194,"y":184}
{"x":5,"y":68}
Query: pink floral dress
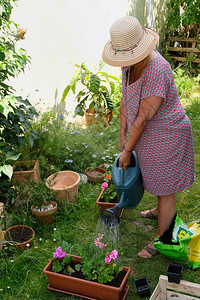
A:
{"x":165,"y":149}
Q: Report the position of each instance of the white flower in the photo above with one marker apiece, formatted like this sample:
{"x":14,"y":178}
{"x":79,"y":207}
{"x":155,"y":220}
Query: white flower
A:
{"x":8,"y":287}
{"x":12,"y":261}
{"x":40,"y":239}
{"x":27,"y":245}
{"x":54,"y":240}
{"x":36,"y":247}
{"x":54,"y":229}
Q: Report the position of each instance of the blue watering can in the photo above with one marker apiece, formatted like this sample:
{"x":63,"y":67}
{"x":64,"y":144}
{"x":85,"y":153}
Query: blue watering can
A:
{"x":129,"y":187}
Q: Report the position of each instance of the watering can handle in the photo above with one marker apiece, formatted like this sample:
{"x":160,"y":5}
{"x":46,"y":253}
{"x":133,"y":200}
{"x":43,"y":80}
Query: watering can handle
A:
{"x":121,"y":176}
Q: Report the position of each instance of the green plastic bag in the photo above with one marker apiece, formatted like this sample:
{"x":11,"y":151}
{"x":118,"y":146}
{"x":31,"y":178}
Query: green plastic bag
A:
{"x":181,"y":242}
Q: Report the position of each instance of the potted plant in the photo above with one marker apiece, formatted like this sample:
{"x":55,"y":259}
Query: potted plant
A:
{"x":95,"y":274}
{"x":25,"y":171}
{"x":95,"y":173}
{"x":19,"y":236}
{"x":108,"y":197}
{"x":94,"y":99}
{"x":41,"y":199}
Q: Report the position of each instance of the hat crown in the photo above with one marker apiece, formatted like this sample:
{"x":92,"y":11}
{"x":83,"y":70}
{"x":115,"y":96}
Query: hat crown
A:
{"x":125,"y":33}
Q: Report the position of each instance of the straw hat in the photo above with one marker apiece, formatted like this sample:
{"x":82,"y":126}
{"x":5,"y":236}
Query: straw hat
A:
{"x":129,"y":44}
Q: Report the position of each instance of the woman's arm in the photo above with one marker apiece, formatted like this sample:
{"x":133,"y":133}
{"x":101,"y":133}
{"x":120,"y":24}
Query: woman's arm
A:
{"x":147,"y":109}
{"x":123,"y":127}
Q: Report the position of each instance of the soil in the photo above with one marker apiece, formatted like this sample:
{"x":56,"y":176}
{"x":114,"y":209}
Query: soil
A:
{"x":115,"y":282}
{"x":19,"y":234}
{"x":24,"y":168}
{"x":114,"y":200}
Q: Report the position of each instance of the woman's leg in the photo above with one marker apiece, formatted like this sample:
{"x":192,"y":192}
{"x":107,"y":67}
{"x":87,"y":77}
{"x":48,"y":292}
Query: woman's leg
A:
{"x":166,"y":212}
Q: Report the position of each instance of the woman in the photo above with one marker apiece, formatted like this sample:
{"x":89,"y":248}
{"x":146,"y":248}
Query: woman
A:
{"x":150,"y":110}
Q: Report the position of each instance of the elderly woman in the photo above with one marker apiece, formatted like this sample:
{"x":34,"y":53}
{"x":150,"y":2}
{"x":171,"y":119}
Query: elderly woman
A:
{"x":150,"y":110}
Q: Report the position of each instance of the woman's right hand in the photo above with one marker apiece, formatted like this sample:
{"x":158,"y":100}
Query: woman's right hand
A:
{"x":122,"y":143}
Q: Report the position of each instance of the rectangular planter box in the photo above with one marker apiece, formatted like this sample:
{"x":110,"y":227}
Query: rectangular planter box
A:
{"x":85,"y":288}
{"x":33,"y":173}
{"x":106,"y":205}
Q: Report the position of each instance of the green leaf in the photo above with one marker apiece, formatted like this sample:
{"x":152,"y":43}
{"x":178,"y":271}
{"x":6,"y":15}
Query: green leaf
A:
{"x":12,"y":155}
{"x":94,"y":83}
{"x":21,"y":140}
{"x":112,"y":87}
{"x":74,"y":80}
{"x":66,"y":91}
{"x":31,"y":140}
{"x":56,"y":267}
{"x":2,"y":56}
{"x":7,"y":170}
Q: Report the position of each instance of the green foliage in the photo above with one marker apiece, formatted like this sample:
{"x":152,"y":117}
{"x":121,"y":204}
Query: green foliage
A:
{"x":65,"y":145}
{"x":183,"y":17}
{"x":38,"y":194}
{"x":16,"y":114}
{"x":109,"y":193}
{"x":97,"y":89}
{"x":186,"y":84}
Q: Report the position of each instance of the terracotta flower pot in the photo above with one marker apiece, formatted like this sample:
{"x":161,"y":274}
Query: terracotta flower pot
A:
{"x":45,"y":217}
{"x":29,"y":171}
{"x":19,"y":236}
{"x":106,"y":205}
{"x":85,"y":288}
{"x":65,"y":185}
{"x":91,"y":118}
{"x":95,"y":175}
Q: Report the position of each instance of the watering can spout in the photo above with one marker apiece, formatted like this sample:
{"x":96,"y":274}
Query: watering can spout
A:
{"x":110,"y":217}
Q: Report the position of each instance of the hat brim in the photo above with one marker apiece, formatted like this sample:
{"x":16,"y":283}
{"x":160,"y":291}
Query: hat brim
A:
{"x":127,"y":58}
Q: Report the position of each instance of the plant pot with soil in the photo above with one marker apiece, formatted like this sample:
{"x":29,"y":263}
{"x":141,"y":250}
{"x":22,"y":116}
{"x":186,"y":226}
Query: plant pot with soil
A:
{"x":25,"y":171}
{"x":95,"y":173}
{"x":42,"y":201}
{"x":19,"y":236}
{"x":108,"y":197}
{"x":95,"y":275}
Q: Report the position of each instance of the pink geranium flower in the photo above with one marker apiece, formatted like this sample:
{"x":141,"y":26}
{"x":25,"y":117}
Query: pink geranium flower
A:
{"x":107,"y":259}
{"x":104,"y":185}
{"x":113,"y":254}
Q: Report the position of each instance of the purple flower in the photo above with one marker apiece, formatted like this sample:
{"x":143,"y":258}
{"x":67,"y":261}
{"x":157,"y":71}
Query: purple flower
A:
{"x":59,"y":253}
{"x":77,"y":131}
{"x":61,"y":116}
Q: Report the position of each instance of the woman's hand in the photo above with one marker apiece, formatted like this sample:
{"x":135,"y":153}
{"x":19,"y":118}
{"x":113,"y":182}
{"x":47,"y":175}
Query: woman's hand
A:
{"x":124,"y":160}
{"x":122,"y":143}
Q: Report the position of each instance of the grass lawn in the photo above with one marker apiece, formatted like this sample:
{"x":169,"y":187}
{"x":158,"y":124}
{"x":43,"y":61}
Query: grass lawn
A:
{"x":71,"y":147}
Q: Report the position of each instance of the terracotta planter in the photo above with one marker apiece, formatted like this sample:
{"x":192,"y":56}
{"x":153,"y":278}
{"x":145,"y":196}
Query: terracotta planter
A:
{"x":30,"y":172}
{"x":14,"y":233}
{"x":95,"y":175}
{"x":65,"y":185}
{"x":84,"y":288}
{"x":106,"y":205}
{"x":1,"y":239}
{"x":91,"y":118}
{"x":45,"y":217}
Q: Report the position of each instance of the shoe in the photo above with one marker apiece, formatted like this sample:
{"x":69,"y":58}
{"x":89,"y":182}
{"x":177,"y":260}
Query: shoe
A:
{"x":150,"y":215}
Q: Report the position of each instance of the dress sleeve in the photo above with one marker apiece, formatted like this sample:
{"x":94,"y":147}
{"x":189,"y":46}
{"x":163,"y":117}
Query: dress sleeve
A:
{"x":157,"y":82}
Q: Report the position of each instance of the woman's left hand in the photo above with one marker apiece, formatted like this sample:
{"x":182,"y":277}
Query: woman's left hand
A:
{"x":124,"y":160}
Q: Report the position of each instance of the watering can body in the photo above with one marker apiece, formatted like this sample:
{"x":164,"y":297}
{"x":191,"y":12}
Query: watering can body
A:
{"x":128,"y":183}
